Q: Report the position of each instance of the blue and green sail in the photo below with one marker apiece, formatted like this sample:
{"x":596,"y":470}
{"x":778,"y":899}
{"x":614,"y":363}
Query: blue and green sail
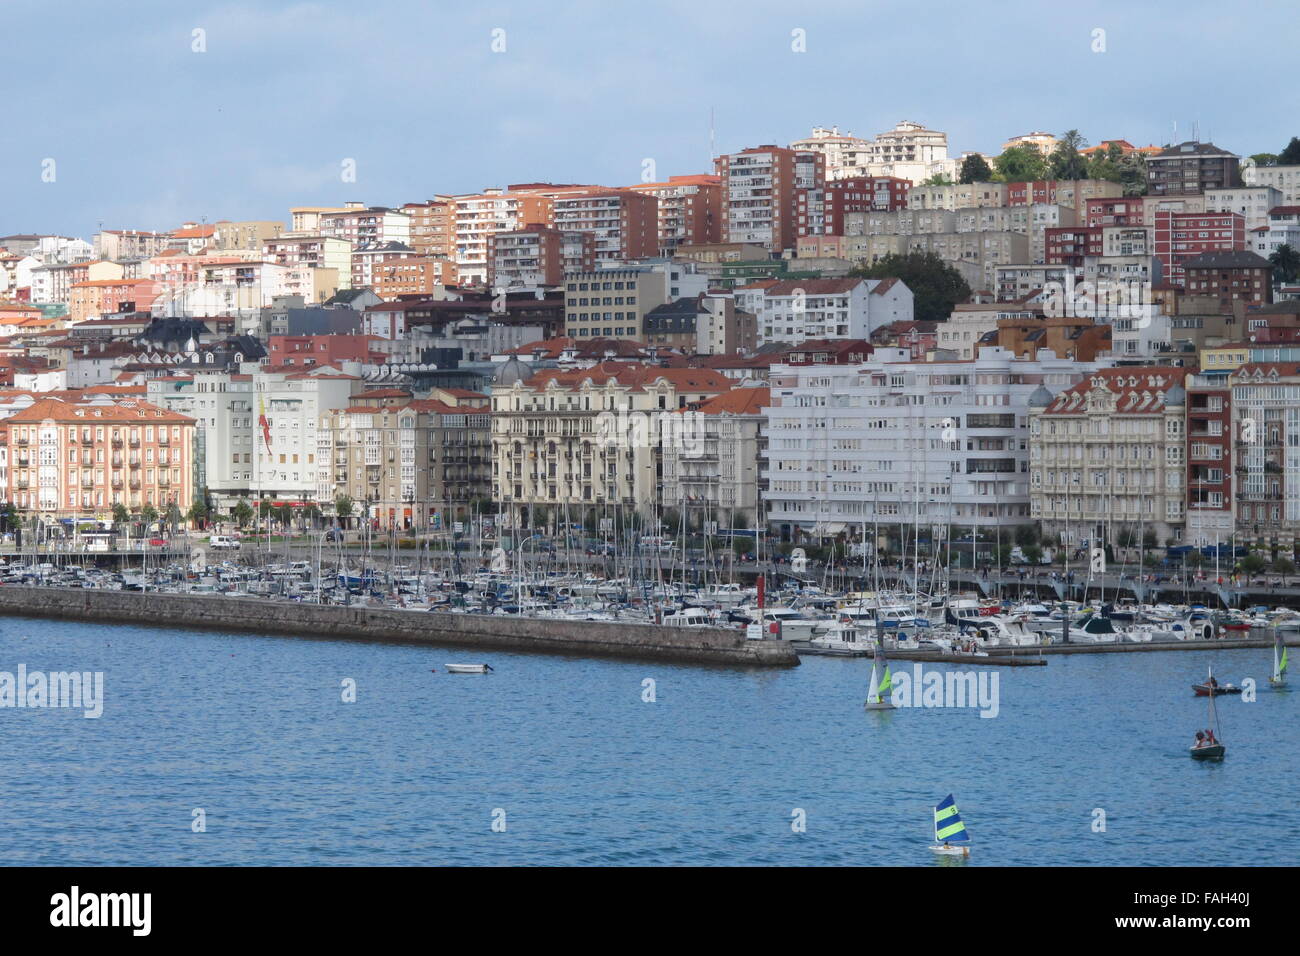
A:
{"x":948,"y":827}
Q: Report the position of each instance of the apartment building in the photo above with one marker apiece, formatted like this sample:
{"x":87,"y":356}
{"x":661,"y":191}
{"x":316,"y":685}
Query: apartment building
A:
{"x":592,"y":437}
{"x":1210,"y":457}
{"x":613,"y":302}
{"x":481,"y":216}
{"x":1241,"y":277}
{"x":281,"y":464}
{"x":1252,"y":203}
{"x":366,"y":226}
{"x":312,"y":252}
{"x":624,"y":224}
{"x":689,"y":210}
{"x":1266,"y":416}
{"x":119,"y":244}
{"x":794,"y":310}
{"x":1282,"y":229}
{"x":405,"y":463}
{"x":538,"y":257}
{"x":718,"y":477}
{"x":1191,"y":168}
{"x":223,"y":407}
{"x":407,"y":275}
{"x":891,"y":443}
{"x":1107,"y":455}
{"x":77,"y":459}
{"x":1183,"y":236}
{"x":759,"y":194}
{"x":433,"y":227}
{"x":248,"y":236}
{"x":845,"y":156}
{"x":1285,"y":179}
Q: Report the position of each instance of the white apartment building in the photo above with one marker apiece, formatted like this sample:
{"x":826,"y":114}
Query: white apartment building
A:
{"x":794,"y":310}
{"x":892,"y":443}
{"x":846,"y":155}
{"x":1285,"y":179}
{"x":360,"y":225}
{"x":225,"y":414}
{"x":480,"y":216}
{"x":1282,"y":229}
{"x":316,"y":252}
{"x":1252,"y":203}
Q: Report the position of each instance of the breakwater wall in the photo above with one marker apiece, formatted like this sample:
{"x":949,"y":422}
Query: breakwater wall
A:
{"x":479,"y":631}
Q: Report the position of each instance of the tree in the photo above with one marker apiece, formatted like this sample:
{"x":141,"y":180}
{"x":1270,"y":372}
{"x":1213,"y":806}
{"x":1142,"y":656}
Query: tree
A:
{"x":1065,"y":161}
{"x":343,"y":508}
{"x":1033,"y":553}
{"x":1194,"y":559}
{"x":1026,"y":535}
{"x":148,"y":515}
{"x":1253,"y":563}
{"x":1265,"y":159}
{"x":1286,"y":264}
{"x":1284,"y":566}
{"x":1291,"y":155}
{"x":1133,"y":174}
{"x":974,"y":170}
{"x":121,"y":516}
{"x":938,"y":179}
{"x":242,"y":512}
{"x":936,"y":286}
{"x":174,"y":516}
{"x":1020,"y":164}
{"x":198,"y":512}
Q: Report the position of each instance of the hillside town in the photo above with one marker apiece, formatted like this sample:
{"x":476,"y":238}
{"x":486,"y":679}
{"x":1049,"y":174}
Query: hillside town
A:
{"x":846,"y":339}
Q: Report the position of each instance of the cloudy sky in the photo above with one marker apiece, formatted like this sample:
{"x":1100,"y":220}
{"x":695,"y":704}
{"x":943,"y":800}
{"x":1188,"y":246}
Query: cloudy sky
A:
{"x":145,"y":132}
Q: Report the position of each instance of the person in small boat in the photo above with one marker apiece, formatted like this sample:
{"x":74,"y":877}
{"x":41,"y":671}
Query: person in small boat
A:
{"x":1209,"y":738}
{"x":1200,"y":740}
{"x":1212,"y":683}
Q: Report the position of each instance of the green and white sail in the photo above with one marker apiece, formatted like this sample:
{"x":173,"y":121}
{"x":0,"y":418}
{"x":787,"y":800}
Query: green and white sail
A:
{"x":1279,"y":658}
{"x":881,"y":684}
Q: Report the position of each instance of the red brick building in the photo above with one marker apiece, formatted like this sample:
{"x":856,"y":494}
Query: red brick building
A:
{"x":1114,"y":211}
{"x":1180,"y":236}
{"x":1230,"y":277}
{"x":1067,"y":245}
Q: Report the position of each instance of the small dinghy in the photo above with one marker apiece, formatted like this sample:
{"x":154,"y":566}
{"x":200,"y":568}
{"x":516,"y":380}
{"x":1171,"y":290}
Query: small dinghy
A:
{"x":950,"y":836}
{"x":1212,"y":688}
{"x":469,"y":668}
{"x":879,"y":691}
{"x":1208,"y":746}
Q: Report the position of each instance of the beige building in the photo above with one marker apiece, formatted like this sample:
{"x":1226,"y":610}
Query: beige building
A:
{"x":719,"y":477}
{"x":1108,"y":456}
{"x":591,"y":438}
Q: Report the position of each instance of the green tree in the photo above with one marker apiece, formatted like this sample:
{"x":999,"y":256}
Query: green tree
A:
{"x":1033,"y":553}
{"x":1291,"y":155}
{"x":1194,"y":559}
{"x":174,"y":516}
{"x":1284,"y":566}
{"x":1133,"y":174}
{"x":1253,"y":563}
{"x":1066,"y":161}
{"x":1286,"y":263}
{"x":198,"y":512}
{"x":242,"y":512}
{"x":148,"y":515}
{"x":1026,"y":535}
{"x":975,"y":170}
{"x":121,"y":516}
{"x":1020,"y":164}
{"x":938,"y":179}
{"x":1265,"y":159}
{"x":936,"y":286}
{"x":343,"y":507}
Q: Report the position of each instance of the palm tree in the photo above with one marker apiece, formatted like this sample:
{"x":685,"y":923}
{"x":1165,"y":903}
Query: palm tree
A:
{"x":1286,"y":264}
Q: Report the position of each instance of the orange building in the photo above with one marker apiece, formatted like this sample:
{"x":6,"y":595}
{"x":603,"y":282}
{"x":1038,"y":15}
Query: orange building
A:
{"x":97,"y":297}
{"x":411,"y":275}
{"x":67,"y":459}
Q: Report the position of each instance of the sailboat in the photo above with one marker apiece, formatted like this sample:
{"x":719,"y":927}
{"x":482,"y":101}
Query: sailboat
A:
{"x":950,"y":836}
{"x":1278,"y":677}
{"x":1209,"y":748}
{"x":881,"y":685}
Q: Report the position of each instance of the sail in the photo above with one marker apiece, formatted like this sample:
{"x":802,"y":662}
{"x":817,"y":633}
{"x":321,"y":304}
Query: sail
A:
{"x":873,"y":694}
{"x":1279,"y":656}
{"x":947,"y":823}
{"x":887,"y":682}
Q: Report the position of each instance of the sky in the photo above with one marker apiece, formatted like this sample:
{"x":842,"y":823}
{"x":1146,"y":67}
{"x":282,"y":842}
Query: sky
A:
{"x":149,"y":124}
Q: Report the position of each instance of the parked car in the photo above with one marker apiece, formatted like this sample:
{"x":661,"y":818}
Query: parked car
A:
{"x":223,"y":542}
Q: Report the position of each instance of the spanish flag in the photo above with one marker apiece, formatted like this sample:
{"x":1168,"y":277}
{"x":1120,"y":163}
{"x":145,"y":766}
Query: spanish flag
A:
{"x":266,"y":425}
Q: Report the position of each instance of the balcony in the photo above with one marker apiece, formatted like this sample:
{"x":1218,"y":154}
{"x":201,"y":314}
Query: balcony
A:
{"x":134,"y":484}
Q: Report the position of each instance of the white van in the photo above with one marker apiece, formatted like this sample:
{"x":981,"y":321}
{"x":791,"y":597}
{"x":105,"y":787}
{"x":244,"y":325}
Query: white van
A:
{"x":223,"y":541}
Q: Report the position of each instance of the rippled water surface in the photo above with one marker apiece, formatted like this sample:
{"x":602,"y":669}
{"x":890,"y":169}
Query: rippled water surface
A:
{"x":253,"y":731}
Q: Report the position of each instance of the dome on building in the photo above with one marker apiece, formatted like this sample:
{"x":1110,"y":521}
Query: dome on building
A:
{"x":511,"y":371}
{"x":1176,"y":396}
{"x":1040,"y":398}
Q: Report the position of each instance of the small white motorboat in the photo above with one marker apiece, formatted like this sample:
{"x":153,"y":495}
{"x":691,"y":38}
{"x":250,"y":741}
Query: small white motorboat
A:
{"x":469,"y":668}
